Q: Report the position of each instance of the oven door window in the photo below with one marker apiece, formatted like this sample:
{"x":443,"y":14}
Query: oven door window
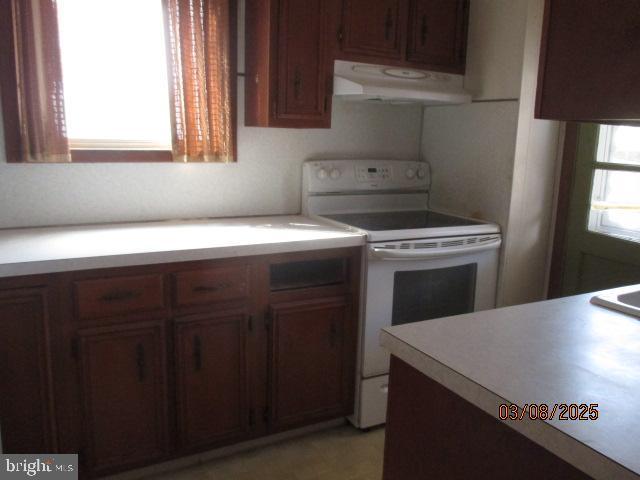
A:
{"x":426,"y":294}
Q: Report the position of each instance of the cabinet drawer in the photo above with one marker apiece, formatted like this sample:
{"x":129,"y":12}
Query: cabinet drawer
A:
{"x":212,"y":285}
{"x":116,"y":296}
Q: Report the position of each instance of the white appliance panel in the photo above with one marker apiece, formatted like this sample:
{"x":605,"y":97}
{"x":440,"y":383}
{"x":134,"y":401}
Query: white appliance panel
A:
{"x":380,"y":295}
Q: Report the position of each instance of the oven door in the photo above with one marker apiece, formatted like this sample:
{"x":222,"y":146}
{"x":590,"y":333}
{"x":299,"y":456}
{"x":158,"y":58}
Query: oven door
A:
{"x":421,"y":280}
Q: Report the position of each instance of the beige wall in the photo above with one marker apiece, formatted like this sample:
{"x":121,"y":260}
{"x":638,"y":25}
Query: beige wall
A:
{"x":266,"y":179}
{"x":492,"y":159}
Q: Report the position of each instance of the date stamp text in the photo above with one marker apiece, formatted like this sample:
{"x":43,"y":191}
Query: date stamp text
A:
{"x":543,"y":411}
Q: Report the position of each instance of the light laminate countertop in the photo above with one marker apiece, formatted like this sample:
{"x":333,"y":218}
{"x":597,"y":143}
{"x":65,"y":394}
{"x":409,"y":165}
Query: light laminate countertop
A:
{"x":27,"y":251}
{"x":558,"y":351}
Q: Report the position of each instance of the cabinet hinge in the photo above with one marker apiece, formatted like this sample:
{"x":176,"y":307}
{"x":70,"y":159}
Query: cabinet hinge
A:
{"x":250,"y":323}
{"x":75,"y":348}
{"x":252,"y":418}
{"x":340,"y":34}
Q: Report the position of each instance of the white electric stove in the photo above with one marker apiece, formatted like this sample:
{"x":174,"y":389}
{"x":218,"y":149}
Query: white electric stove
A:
{"x":418,"y":264}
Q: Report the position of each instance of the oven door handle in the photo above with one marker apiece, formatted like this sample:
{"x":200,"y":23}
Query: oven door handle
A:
{"x":418,"y":254}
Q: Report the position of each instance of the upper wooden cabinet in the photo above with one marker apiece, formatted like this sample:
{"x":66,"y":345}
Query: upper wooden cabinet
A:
{"x":374,"y":28}
{"x":437,"y":32}
{"x":288,"y":69}
{"x":427,"y":34}
{"x":590,"y":61}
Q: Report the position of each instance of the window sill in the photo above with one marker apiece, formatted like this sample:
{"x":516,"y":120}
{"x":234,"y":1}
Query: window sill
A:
{"x":121,"y":156}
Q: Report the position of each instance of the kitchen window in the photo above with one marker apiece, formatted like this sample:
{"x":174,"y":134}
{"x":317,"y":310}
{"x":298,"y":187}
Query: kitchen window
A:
{"x":118,"y":80}
{"x":615,"y":192}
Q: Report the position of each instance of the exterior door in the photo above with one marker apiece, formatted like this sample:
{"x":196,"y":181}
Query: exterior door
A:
{"x":124,"y":394}
{"x":26,"y":400}
{"x":376,"y":29}
{"x":311,"y":366}
{"x":603,"y":238}
{"x":436,"y":32}
{"x":211,"y":363}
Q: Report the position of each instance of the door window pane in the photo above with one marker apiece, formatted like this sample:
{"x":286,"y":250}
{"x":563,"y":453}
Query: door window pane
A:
{"x":619,"y":144}
{"x":426,"y":294}
{"x":615,"y":195}
{"x":615,"y":204}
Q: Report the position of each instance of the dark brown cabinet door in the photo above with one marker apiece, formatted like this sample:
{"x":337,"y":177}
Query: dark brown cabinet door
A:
{"x":376,"y":29}
{"x":311,"y":361}
{"x":212,"y":388}
{"x":302,"y":93}
{"x":26,"y":408}
{"x":590,"y":61}
{"x":436,"y":33}
{"x":124,"y":395}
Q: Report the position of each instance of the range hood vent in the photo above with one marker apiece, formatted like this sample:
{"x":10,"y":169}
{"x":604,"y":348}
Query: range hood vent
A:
{"x":379,"y":83}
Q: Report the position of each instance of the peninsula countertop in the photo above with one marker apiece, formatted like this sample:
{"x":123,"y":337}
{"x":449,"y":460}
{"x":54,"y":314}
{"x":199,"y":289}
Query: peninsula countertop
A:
{"x":563,"y":351}
{"x":28,"y":251}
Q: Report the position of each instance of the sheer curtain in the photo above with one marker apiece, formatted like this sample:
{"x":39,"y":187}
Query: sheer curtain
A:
{"x":201,"y":41}
{"x":39,"y":77}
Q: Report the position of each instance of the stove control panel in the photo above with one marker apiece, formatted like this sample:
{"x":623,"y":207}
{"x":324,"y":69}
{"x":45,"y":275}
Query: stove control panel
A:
{"x":372,"y":174}
{"x":336,"y":176}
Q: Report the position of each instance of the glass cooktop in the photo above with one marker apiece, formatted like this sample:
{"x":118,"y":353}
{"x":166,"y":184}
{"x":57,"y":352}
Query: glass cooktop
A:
{"x":409,"y":220}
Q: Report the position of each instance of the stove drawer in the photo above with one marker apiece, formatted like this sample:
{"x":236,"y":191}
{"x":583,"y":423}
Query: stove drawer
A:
{"x":372,"y":408}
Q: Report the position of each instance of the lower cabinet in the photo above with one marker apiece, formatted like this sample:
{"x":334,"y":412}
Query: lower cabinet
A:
{"x":124,"y":398}
{"x":212,"y":378}
{"x":26,"y":398}
{"x":137,"y":365}
{"x":309,"y":367}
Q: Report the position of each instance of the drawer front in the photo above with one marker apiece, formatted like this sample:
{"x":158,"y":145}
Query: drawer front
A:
{"x":212,"y":285}
{"x":116,"y":296}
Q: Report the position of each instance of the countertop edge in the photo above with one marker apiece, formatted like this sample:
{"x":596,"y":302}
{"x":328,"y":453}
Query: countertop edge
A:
{"x":43,"y":267}
{"x":569,"y":449}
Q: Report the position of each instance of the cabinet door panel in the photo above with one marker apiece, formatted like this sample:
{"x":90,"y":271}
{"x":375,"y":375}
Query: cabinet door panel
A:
{"x":375,"y":28}
{"x":124,"y":395}
{"x":590,"y":61}
{"x":26,"y":399}
{"x":436,"y":32}
{"x":302,"y":73}
{"x":310,"y":367}
{"x":211,"y":358}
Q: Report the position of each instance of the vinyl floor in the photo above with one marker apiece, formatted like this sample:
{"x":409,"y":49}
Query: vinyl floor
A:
{"x":341,"y":453}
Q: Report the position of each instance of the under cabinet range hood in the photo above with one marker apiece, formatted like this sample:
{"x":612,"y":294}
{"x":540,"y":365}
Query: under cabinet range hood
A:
{"x":379,"y":83}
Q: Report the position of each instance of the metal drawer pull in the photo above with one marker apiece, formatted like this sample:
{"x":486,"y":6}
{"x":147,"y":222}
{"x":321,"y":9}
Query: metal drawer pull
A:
{"x":388,"y":24}
{"x":197,"y":352}
{"x":211,"y":288}
{"x":333,"y":334}
{"x":297,"y":83}
{"x":424,"y":30}
{"x":119,"y":295}
{"x":141,"y":362}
